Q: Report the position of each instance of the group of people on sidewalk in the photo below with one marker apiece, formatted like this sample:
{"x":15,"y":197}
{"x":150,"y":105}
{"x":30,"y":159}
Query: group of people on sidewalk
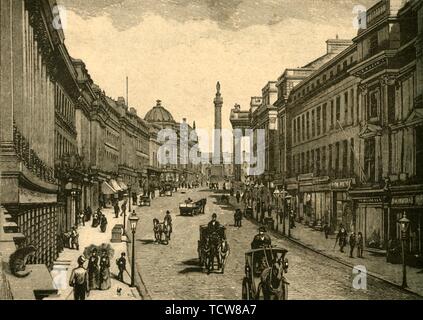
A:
{"x":99,"y":219}
{"x":96,"y":276}
{"x":354,"y":240}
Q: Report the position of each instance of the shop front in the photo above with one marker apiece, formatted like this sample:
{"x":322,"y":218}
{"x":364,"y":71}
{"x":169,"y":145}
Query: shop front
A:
{"x":371,"y":211}
{"x":410,"y":204}
{"x":341,"y":208}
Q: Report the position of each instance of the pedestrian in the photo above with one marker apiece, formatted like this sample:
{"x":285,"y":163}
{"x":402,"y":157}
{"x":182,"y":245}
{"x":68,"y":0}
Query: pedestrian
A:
{"x":123,"y":212}
{"x":341,"y":238}
{"x":105,"y":282}
{"x":360,"y":245}
{"x":103,"y":223}
{"x":88,"y":213}
{"x":326,"y":230}
{"x":81,"y":216}
{"x":96,"y":218}
{"x":93,"y":270}
{"x":121,"y":264}
{"x":238,"y":196}
{"x":238,"y":218}
{"x":292,"y":219}
{"x":168,"y":222}
{"x":79,"y":280}
{"x":352,"y":242}
{"x":116,"y":207}
{"x":75,"y":238}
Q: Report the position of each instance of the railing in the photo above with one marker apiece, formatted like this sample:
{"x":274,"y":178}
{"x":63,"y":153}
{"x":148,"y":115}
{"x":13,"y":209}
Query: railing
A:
{"x":30,"y":158}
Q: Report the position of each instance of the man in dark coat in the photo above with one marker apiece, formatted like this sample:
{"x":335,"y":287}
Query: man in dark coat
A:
{"x":352,"y":243}
{"x":238,"y":196}
{"x":213,"y":225}
{"x":116,"y":207}
{"x":168,"y":221}
{"x":341,"y":238}
{"x":79,"y":280}
{"x":121,"y":264}
{"x":261,"y":240}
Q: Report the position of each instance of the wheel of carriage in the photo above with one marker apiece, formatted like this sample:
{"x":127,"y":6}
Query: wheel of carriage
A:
{"x":246,"y":290}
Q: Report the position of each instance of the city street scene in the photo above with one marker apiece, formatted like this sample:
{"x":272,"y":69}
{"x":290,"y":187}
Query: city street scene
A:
{"x":211,"y":150}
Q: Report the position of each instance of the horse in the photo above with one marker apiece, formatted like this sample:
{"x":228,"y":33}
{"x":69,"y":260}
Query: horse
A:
{"x":273,"y":283}
{"x":159,"y":230}
{"x":224,"y":251}
{"x":215,"y":242}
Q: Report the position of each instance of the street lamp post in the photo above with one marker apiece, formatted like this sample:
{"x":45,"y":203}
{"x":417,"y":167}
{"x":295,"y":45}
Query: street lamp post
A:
{"x":277,"y":193}
{"x":404,"y":225}
{"x":133,"y":219}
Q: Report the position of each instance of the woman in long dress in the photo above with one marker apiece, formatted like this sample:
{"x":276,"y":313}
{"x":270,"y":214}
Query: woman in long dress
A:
{"x":93,"y":270}
{"x":105,"y":282}
{"x":103,"y":223}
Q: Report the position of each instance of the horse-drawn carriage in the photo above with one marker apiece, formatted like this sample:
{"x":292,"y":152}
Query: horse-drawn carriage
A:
{"x":166,"y":190}
{"x":264,"y":274}
{"x":145,"y":201}
{"x":193,"y":208}
{"x":224,"y":199}
{"x":213,"y":248}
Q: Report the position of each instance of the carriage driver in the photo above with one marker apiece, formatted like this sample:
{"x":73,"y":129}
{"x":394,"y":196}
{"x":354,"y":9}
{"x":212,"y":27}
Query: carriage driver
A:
{"x":213,"y":225}
{"x":262,"y":240}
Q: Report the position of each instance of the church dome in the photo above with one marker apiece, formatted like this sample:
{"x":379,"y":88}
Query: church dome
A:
{"x":159,"y":114}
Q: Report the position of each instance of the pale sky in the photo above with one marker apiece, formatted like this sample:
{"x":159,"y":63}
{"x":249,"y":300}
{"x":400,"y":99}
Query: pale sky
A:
{"x":176,"y":50}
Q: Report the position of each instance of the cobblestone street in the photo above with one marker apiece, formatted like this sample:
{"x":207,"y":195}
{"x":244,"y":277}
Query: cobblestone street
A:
{"x":172,"y":272}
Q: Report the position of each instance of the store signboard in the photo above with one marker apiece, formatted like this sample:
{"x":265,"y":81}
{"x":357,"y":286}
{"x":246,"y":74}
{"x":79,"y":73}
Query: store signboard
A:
{"x":403,"y":201}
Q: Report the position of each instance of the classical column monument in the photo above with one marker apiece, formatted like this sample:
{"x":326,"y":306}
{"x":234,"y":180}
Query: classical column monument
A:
{"x":217,"y":168}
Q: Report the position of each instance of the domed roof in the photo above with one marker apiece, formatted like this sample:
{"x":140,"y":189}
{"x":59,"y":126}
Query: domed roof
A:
{"x":159,"y":114}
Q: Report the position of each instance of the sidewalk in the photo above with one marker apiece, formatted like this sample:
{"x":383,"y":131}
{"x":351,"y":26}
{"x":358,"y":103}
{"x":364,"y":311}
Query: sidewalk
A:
{"x":376,"y":265}
{"x":88,"y":236}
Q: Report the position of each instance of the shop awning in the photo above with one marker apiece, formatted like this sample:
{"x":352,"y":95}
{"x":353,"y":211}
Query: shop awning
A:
{"x":122,"y":185}
{"x":107,"y":188}
{"x":115,"y":185}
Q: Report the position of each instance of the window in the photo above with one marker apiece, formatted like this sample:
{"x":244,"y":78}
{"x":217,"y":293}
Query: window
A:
{"x":331,"y":74}
{"x":332,"y":115}
{"x":302,"y":162}
{"x":308,"y":125}
{"x":295,"y":131}
{"x":313,"y":124}
{"x":352,"y":158}
{"x":294,"y":165}
{"x":324,"y":77}
{"x":373,"y":44}
{"x":344,"y":65}
{"x":318,"y":161}
{"x":319,"y":117}
{"x":419,"y":152}
{"x":345,"y":159}
{"x":352,"y":106}
{"x":330,"y":164}
{"x":323,"y":163}
{"x":369,"y":158}
{"x":373,"y":106}
{"x":298,"y":130}
{"x":338,"y":109}
{"x":346,"y":106}
{"x":337,"y":153}
{"x":324,"y":117}
{"x":312,"y":166}
{"x":307,"y":168}
{"x":338,"y":68}
{"x":303,"y":127}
